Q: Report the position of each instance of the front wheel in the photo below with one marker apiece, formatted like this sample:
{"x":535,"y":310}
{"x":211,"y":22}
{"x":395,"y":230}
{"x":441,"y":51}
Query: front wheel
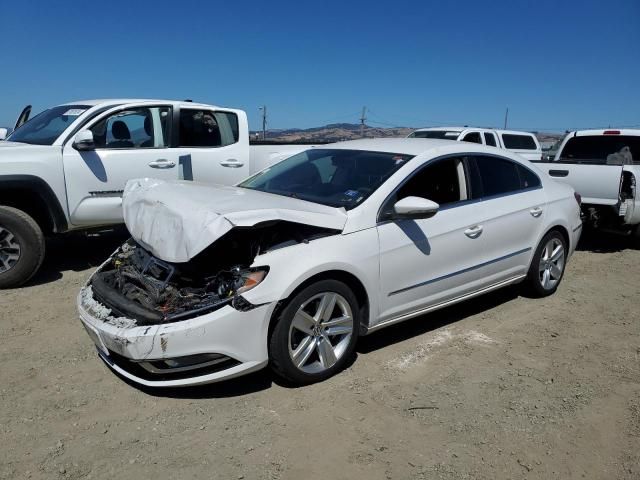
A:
{"x":548,"y":264}
{"x":315,"y":334}
{"x":21,"y":247}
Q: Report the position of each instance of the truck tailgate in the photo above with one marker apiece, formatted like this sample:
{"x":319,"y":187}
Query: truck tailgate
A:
{"x":597,"y":184}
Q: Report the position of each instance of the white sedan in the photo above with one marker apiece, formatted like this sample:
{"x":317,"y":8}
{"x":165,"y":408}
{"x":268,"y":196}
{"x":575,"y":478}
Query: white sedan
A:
{"x":291,"y":266}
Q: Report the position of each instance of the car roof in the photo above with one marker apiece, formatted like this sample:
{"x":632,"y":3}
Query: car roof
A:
{"x":119,"y":101}
{"x":407,"y":146}
{"x":623,"y":131}
{"x":448,"y":129}
{"x":516,"y":132}
{"x":482,"y":129}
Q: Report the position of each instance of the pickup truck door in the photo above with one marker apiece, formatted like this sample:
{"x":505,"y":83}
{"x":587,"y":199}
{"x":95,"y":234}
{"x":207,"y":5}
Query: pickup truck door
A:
{"x":130,"y":142}
{"x":212,"y":144}
{"x":597,"y":184}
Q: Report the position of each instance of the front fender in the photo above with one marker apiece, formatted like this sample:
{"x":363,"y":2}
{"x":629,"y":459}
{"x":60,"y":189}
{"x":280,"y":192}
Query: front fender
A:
{"x":356,"y":253}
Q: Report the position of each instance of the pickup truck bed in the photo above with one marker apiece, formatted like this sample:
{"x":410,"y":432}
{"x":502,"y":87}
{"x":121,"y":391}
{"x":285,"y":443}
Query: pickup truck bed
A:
{"x":603,"y":166}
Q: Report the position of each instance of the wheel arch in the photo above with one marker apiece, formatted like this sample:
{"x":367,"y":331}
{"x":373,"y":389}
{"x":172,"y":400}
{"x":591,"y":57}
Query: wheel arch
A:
{"x":562,"y":230}
{"x":348,"y":278}
{"x":34,"y":196}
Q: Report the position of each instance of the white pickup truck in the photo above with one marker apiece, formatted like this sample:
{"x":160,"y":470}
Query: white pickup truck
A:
{"x":524,"y":144}
{"x":603,"y":166}
{"x":65,"y":169}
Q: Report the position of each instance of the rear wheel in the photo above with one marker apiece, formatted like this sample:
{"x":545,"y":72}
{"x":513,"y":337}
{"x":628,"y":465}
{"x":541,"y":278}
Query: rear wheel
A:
{"x":548,"y":264}
{"x":315,"y":334}
{"x":21,"y":247}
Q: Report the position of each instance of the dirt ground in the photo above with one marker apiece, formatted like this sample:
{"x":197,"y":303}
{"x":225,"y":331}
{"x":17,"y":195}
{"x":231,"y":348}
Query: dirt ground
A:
{"x":500,"y":387}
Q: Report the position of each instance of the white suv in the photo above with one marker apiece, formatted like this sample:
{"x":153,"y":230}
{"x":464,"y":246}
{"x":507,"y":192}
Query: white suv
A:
{"x":524,"y":144}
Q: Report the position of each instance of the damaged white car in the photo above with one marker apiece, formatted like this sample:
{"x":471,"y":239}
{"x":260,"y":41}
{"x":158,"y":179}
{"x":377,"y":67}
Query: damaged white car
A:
{"x":289,"y":267}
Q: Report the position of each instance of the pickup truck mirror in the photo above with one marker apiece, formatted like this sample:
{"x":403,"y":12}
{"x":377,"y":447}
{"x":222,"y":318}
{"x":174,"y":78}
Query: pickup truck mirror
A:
{"x":415,"y":207}
{"x":83,"y":141}
{"x":4,"y":132}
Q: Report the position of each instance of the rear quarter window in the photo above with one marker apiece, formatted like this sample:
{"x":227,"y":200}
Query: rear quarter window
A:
{"x":518,"y":142}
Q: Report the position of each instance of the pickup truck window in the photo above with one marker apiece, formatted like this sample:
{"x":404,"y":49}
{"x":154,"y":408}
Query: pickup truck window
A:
{"x":206,"y":128}
{"x":602,"y":150}
{"x":518,"y":142}
{"x":490,"y":139}
{"x":497,"y":176}
{"x":133,"y":128}
{"x":473,"y":137}
{"x":443,"y":134}
{"x":333,"y":177}
{"x":46,"y":127}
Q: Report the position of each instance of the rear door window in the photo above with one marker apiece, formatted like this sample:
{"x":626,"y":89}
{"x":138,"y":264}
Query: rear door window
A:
{"x":207,"y":128}
{"x":491,"y":176}
{"x":518,"y":142}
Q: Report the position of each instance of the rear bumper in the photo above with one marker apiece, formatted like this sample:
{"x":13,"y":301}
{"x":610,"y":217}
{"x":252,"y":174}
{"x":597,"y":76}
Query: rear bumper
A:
{"x":239,"y":336}
{"x":575,"y":237}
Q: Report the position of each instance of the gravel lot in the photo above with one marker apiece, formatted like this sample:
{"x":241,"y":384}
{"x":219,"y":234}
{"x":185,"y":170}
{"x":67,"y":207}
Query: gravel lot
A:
{"x":500,"y":387}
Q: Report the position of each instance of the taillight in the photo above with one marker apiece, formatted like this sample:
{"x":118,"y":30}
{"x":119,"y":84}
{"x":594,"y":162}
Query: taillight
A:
{"x":578,"y":198}
{"x":611,"y":132}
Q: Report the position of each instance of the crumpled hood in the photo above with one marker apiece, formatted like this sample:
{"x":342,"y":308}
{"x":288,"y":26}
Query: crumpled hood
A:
{"x":177,"y":220}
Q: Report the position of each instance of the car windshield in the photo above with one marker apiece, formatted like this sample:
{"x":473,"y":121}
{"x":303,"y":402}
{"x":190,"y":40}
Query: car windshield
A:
{"x":333,"y":177}
{"x":602,"y":150}
{"x":46,"y":127}
{"x":442,"y":134}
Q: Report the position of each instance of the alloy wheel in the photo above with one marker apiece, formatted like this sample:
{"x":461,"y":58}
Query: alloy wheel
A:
{"x":551,"y":264}
{"x":320,"y":332}
{"x":9,"y":250}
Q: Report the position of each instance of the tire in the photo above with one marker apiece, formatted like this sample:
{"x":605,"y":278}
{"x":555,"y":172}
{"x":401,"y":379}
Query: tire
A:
{"x":545,"y":273}
{"x":322,"y":346}
{"x":22,"y":247}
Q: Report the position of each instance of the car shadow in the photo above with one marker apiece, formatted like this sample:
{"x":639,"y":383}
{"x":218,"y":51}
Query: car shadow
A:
{"x":77,"y":251}
{"x":264,"y":379}
{"x":432,"y":321}
{"x":596,"y":241}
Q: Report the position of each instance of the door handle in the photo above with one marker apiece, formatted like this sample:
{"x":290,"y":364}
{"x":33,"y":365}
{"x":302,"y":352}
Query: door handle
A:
{"x":473,"y":232}
{"x":559,"y":173}
{"x":536,"y":212}
{"x":162,"y":163}
{"x":231,"y":163}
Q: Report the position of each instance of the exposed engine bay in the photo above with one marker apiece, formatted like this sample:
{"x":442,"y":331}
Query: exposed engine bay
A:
{"x":137,"y":285}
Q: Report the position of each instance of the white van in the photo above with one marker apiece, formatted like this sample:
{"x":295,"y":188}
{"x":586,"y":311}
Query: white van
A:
{"x":523,"y":143}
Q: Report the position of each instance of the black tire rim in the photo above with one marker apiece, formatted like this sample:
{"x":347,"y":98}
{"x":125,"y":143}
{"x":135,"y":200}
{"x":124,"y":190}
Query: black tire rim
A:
{"x":9,"y":250}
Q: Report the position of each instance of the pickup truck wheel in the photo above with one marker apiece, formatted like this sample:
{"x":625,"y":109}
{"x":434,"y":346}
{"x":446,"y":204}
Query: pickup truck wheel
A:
{"x":315,"y":334}
{"x":21,"y":247}
{"x":548,"y":264}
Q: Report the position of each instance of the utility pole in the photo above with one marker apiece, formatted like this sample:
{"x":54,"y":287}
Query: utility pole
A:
{"x":264,"y":121}
{"x":506,"y":117}
{"x":362,"y":119}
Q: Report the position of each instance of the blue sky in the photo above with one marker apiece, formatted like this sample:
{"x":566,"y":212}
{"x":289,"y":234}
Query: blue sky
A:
{"x":555,"y":64}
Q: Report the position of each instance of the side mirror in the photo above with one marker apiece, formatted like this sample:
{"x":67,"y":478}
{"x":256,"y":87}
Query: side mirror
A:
{"x":415,"y":207}
{"x":4,"y":133}
{"x":83,"y":141}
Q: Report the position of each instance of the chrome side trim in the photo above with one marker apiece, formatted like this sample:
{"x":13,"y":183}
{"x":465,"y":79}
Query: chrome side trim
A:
{"x":438,"y":306}
{"x":577,"y":228}
{"x":459,"y":272}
